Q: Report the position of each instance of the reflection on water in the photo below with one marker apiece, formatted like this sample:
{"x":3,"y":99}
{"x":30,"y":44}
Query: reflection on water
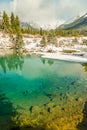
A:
{"x":11,"y":62}
{"x":43,"y":61}
{"x":43,"y":94}
{"x":50,"y":62}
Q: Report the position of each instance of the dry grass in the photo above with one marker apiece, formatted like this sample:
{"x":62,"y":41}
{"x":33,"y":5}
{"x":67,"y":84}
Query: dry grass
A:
{"x":69,"y":51}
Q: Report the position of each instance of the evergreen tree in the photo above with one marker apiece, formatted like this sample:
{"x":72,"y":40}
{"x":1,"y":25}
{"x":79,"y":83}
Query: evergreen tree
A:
{"x":18,"y":43}
{"x":17,"y":25}
{"x":43,"y":41}
{"x":41,"y":31}
{"x":5,"y":24}
{"x":12,"y":18}
{"x":51,"y":38}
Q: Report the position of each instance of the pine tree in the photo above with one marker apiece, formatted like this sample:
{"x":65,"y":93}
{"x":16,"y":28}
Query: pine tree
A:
{"x":28,"y":30}
{"x":51,"y":38}
{"x":5,"y":24}
{"x":12,"y":22}
{"x":17,"y":25}
{"x":43,"y":41}
{"x":18,"y":43}
{"x":41,"y":31}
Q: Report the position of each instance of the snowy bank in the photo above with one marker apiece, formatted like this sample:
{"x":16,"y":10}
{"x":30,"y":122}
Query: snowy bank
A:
{"x":59,"y":56}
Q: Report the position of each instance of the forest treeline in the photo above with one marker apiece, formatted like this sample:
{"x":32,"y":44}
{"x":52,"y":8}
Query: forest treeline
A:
{"x":11,"y":24}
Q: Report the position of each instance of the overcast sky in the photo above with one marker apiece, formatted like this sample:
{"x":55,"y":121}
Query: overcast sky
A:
{"x":45,"y":11}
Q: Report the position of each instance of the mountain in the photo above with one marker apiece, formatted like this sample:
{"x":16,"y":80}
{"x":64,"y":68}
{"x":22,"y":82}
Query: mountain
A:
{"x":36,"y":25}
{"x":30,"y":24}
{"x":78,"y":23}
{"x":48,"y":26}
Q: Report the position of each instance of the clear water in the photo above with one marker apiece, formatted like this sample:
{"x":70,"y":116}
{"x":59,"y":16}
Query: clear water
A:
{"x":31,"y":84}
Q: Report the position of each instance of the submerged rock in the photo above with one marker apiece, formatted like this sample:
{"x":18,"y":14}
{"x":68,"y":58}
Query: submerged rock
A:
{"x":48,"y":95}
{"x":73,"y":82}
{"x":76,"y":99}
{"x":25,"y":92}
{"x":49,"y":109}
{"x":31,"y":108}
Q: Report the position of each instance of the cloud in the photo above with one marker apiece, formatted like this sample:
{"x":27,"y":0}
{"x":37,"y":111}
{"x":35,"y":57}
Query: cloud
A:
{"x":39,"y":10}
{"x":69,"y":8}
{"x":45,"y":11}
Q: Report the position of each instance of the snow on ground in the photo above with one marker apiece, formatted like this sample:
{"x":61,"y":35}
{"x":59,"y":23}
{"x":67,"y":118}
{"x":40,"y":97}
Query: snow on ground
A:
{"x":50,"y":48}
{"x":80,"y":46}
{"x":31,"y":43}
{"x":64,"y":57}
{"x":63,"y":43}
{"x":66,"y":43}
{"x":5,"y":41}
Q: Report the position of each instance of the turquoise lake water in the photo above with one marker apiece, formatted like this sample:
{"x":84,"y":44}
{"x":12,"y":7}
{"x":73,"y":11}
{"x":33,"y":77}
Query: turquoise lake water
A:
{"x":26,"y":82}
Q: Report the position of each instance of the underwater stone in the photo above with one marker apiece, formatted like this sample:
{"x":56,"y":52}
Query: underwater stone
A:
{"x":60,"y":99}
{"x":30,"y":109}
{"x":65,"y":96}
{"x":49,"y":109}
{"x":72,"y":83}
{"x":61,"y":94}
{"x":54,"y":106}
{"x":45,"y":104}
{"x":41,"y":113}
{"x":76,"y":99}
{"x":48,"y":95}
{"x":52,"y":99}
{"x":25,"y":92}
{"x":63,"y":109}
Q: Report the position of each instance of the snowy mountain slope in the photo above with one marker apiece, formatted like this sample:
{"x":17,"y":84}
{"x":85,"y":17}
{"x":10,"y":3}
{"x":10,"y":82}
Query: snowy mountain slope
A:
{"x":31,"y":25}
{"x":36,"y":25}
{"x":78,"y":23}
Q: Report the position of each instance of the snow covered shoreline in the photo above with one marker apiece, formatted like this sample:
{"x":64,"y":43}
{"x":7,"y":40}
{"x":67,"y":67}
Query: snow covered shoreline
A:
{"x":68,"y":48}
{"x":58,"y":56}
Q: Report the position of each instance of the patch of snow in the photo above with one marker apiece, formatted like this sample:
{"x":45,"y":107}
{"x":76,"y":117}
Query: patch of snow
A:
{"x":85,"y":16}
{"x":64,"y":57}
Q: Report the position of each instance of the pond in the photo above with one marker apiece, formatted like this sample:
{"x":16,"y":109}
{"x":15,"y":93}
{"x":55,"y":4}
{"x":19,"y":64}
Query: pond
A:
{"x":42,"y":93}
